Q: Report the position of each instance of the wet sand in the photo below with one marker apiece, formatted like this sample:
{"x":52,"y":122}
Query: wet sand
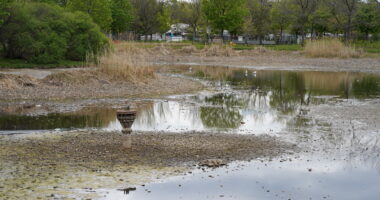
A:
{"x":56,"y":164}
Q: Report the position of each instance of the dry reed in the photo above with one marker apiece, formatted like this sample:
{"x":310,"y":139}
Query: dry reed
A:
{"x":127,"y":62}
{"x":330,"y":48}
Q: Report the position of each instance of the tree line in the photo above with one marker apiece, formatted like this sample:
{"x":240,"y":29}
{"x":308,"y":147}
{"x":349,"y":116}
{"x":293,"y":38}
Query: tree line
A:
{"x":354,"y":19}
{"x":351,"y":19}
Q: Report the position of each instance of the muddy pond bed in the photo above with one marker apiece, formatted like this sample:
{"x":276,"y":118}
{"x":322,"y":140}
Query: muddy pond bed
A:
{"x":321,"y":132}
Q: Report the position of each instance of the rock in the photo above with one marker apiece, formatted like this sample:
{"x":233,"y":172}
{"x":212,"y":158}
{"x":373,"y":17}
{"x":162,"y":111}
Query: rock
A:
{"x":127,"y":190}
{"x":213,"y":163}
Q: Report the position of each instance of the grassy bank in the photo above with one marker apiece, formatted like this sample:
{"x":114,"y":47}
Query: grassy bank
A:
{"x":368,"y":47}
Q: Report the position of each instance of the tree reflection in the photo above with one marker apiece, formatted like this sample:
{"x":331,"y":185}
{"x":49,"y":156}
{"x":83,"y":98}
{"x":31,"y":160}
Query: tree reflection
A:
{"x":223,"y":111}
{"x":366,"y":87}
{"x":214,"y":117}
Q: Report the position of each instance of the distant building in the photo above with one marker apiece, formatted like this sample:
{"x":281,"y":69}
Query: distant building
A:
{"x":177,"y":32}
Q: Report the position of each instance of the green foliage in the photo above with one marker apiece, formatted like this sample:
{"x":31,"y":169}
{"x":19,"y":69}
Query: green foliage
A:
{"x":259,"y":11}
{"x":122,"y":15}
{"x":99,"y":10}
{"x":280,"y":16}
{"x":4,"y":13}
{"x":225,"y":14}
{"x":164,"y":19}
{"x":145,"y":20}
{"x":321,"y":19}
{"x":43,"y":33}
{"x":367,"y":19}
{"x":367,"y":46}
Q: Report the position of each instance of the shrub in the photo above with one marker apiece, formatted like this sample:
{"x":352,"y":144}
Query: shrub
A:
{"x":43,"y":33}
{"x":330,"y":48}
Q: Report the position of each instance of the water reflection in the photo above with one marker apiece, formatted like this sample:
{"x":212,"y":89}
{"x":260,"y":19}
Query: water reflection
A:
{"x":85,"y":118}
{"x":273,"y":180}
{"x":235,"y":112}
{"x":245,"y":101}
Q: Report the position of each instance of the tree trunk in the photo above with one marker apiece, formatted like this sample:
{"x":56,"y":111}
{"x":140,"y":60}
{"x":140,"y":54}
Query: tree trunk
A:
{"x":221,"y":35}
{"x":194,"y":34}
{"x":260,"y":40}
{"x":348,"y":29}
{"x":303,"y":35}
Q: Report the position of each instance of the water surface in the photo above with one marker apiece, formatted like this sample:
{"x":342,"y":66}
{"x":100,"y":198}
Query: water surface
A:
{"x":242,"y":101}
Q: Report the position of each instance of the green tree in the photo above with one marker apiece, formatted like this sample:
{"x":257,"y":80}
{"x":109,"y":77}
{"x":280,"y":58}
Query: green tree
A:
{"x":367,"y":19}
{"x":344,"y":12}
{"x":4,"y":12}
{"x":164,"y":18}
{"x":225,"y":14}
{"x":122,"y":16}
{"x":146,"y":12}
{"x":302,"y":11}
{"x":320,"y":20}
{"x":194,"y":15}
{"x":259,"y":12}
{"x":44,"y":33}
{"x":99,"y":10}
{"x":281,"y":17}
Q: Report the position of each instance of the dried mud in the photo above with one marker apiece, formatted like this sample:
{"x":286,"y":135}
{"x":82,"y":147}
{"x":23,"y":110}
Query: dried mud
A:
{"x":56,"y":165}
{"x":86,"y":84}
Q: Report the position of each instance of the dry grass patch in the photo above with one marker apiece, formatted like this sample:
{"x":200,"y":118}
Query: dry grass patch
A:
{"x":330,"y":48}
{"x":127,"y":62}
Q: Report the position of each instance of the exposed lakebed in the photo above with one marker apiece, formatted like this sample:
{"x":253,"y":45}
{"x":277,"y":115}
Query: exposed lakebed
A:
{"x":332,"y":116}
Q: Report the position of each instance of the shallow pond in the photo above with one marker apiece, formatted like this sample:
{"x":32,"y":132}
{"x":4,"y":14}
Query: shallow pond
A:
{"x":241,"y":101}
{"x":340,"y":163}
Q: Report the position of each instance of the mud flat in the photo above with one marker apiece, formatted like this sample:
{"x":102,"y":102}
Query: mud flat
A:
{"x":61,"y":164}
{"x":85,"y":84}
{"x":275,"y":60}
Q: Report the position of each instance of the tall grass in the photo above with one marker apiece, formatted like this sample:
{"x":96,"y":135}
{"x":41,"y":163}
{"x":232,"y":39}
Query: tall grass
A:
{"x":127,"y":62}
{"x":330,"y":48}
